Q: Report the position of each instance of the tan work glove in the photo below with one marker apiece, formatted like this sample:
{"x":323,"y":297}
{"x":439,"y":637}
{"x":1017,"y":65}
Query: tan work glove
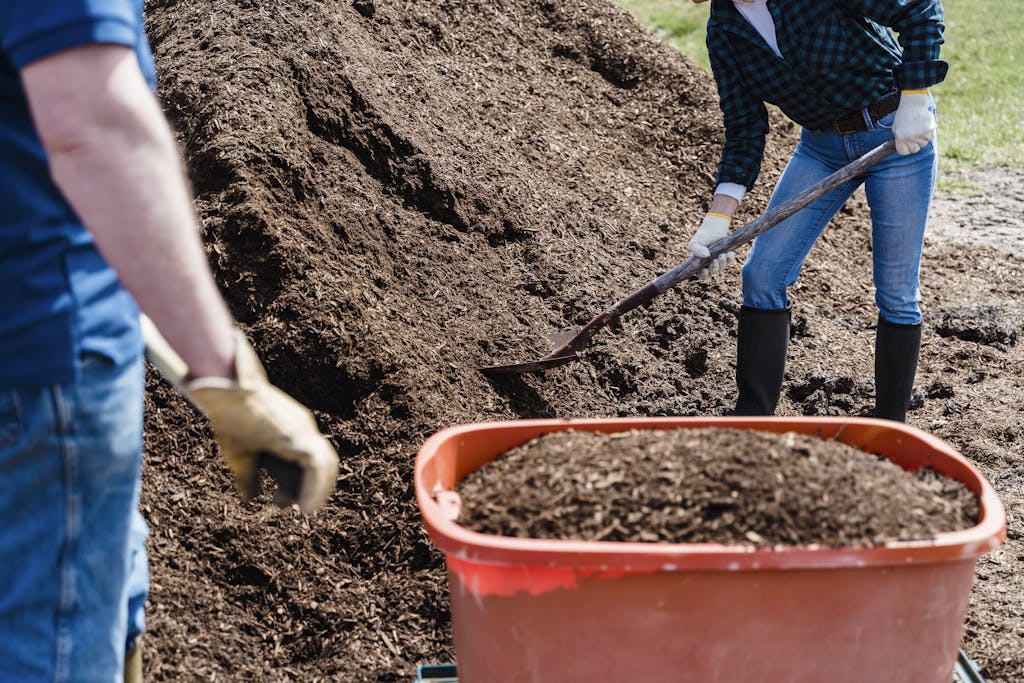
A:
{"x":256,"y":424}
{"x":251,"y":418}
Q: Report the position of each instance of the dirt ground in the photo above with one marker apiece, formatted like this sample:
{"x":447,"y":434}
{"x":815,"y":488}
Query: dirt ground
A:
{"x":396,"y":192}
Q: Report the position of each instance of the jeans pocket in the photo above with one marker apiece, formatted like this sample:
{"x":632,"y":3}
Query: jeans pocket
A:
{"x":89,"y":360}
{"x":10,"y":419}
{"x":886,"y":121}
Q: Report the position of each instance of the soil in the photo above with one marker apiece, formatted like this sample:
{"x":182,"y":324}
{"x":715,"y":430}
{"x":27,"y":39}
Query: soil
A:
{"x":723,"y":486}
{"x":394,"y":193}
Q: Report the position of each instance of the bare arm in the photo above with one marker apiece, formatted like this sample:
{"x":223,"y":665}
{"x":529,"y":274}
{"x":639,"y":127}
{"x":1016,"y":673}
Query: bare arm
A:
{"x":113,"y":156}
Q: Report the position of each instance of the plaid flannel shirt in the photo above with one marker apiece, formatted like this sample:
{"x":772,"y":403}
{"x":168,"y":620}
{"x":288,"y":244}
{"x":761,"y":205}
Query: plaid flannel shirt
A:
{"x":840,"y":56}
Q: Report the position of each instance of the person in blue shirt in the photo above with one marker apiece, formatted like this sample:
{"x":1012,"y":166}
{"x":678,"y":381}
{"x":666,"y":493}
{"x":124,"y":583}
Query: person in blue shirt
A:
{"x":95,"y":222}
{"x":836,"y":68}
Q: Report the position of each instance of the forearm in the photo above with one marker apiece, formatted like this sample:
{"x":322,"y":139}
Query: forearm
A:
{"x":119,"y":168}
{"x":129,"y":190}
{"x":744,"y":117}
{"x":723,"y":205}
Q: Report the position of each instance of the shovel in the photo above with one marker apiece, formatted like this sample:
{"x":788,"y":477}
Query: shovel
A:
{"x":570,"y":345}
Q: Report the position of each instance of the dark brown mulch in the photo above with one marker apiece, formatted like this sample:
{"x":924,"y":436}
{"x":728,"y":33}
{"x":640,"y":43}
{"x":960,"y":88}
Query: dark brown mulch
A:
{"x":396,"y":192}
{"x":709,"y":486}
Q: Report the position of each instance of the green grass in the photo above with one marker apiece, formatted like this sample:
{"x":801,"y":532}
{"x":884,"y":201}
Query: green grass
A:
{"x":680,"y":23}
{"x":981,"y":102}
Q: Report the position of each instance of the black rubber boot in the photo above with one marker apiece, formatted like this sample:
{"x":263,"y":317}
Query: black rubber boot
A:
{"x":897,"y":348}
{"x":761,"y":344}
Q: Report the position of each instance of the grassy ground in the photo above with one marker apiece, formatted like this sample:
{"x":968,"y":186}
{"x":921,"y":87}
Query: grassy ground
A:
{"x":981,"y":102}
{"x":680,"y":23}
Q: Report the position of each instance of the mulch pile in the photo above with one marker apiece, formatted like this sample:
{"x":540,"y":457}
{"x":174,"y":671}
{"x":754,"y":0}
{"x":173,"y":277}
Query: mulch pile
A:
{"x":394,"y":193}
{"x":725,"y":486}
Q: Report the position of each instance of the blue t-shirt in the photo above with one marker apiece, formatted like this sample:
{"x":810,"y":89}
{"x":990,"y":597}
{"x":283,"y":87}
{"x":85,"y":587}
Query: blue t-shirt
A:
{"x":58,"y":297}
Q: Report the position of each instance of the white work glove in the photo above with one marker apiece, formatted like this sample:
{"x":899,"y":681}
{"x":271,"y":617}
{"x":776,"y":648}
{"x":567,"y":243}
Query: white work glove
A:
{"x":914,"y":124}
{"x":252,"y":419}
{"x":713,"y":228}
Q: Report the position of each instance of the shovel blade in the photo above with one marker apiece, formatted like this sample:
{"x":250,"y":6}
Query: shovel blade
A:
{"x":560,"y":339}
{"x":539,"y":365}
{"x":561,"y":354}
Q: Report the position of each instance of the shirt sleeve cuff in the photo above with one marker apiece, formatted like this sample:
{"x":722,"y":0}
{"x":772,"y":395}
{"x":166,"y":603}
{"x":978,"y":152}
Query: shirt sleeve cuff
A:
{"x":917,"y":75}
{"x":734,"y":190}
{"x":76,"y":34}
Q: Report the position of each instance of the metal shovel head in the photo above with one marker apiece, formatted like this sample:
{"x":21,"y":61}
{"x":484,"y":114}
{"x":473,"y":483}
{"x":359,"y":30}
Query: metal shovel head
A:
{"x":538,"y":365}
{"x":559,"y":339}
{"x":562,"y":353}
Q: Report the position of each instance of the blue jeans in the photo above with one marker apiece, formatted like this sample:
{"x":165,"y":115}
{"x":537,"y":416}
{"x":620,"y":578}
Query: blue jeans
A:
{"x":899,"y":192}
{"x":73,"y":576}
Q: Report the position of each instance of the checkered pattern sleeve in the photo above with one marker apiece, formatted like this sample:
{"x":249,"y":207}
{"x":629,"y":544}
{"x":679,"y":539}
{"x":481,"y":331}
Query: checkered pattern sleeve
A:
{"x":919,"y":24}
{"x":744,"y":114}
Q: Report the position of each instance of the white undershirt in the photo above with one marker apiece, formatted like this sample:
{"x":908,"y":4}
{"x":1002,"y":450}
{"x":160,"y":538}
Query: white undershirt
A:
{"x":757,"y":15}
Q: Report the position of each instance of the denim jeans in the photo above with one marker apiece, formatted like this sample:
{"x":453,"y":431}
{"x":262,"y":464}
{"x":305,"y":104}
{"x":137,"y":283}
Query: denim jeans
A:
{"x":899,"y":192}
{"x":73,"y":576}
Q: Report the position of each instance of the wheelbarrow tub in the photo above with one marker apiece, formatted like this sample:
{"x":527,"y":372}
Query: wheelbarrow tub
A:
{"x":546,"y":611}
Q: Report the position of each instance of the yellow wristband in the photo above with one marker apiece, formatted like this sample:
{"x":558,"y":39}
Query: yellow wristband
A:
{"x":921,"y":91}
{"x":721,"y":215}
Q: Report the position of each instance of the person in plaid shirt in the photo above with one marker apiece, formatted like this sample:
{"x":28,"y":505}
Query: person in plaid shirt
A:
{"x":835,"y":68}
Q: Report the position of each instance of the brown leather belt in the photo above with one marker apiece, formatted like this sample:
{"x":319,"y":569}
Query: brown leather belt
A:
{"x":854,"y":121}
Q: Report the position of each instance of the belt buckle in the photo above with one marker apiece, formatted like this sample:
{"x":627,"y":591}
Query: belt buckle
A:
{"x":837,"y":126}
